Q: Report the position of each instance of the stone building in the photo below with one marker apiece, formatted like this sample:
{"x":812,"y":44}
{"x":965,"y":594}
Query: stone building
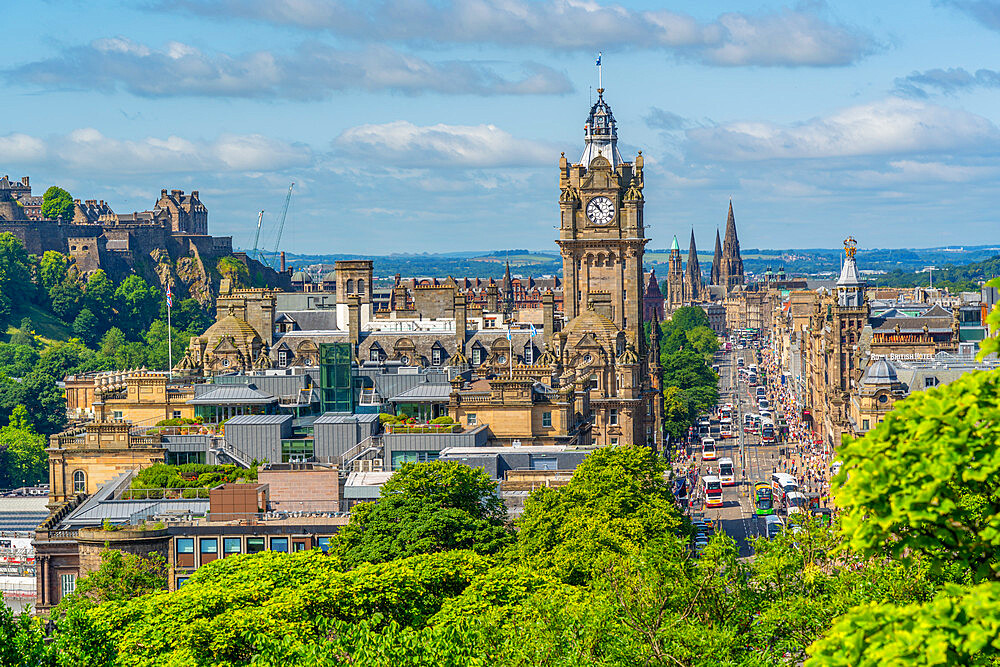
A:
{"x":676,"y":294}
{"x":597,"y":344}
{"x":81,"y":460}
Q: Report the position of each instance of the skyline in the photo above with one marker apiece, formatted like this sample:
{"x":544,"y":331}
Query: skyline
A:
{"x":818,"y":120}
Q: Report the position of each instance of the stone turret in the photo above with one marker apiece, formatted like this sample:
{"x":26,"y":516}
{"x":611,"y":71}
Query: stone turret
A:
{"x":675,"y":278}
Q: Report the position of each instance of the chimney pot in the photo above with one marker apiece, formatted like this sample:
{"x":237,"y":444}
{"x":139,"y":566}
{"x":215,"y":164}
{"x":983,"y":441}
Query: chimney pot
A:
{"x":163,"y":192}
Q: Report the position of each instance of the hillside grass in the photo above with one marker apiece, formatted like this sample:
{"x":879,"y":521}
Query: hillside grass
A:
{"x":47,"y":326}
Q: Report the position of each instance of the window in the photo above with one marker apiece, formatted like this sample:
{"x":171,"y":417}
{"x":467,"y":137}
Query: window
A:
{"x":185,"y":545}
{"x":177,"y":414}
{"x":68,"y":584}
{"x":546,"y":420}
{"x":279,"y":544}
{"x":865,"y":424}
{"x":298,"y":545}
{"x":374,"y":353}
{"x":930,"y":381}
{"x":293,"y":451}
{"x":477,"y":355}
{"x":79,"y":482}
{"x":231,"y":545}
{"x":529,"y":354}
{"x":593,"y":384}
{"x":470,"y":419}
{"x":209,"y":545}
{"x":613,"y":418}
{"x":255,"y":545}
{"x":405,"y":360}
{"x":502,"y":358}
{"x":399,"y":458}
{"x":117,"y":414}
{"x":323,"y":543}
{"x":181,"y":581}
{"x":283,"y":357}
{"x":614,"y":441}
{"x":436,"y":356}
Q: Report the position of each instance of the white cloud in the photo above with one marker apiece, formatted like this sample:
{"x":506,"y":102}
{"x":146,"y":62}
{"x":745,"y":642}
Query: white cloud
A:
{"x":313,"y":71}
{"x":403,"y":144}
{"x":787,"y":37}
{"x":19,"y":147}
{"x":88,"y":150}
{"x":887,"y":127}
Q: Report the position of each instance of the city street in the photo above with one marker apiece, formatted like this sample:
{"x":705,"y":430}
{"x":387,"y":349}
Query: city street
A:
{"x":753,"y":462}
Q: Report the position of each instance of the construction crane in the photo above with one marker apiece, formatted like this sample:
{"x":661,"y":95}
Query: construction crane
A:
{"x":281,"y":226}
{"x":256,"y":253}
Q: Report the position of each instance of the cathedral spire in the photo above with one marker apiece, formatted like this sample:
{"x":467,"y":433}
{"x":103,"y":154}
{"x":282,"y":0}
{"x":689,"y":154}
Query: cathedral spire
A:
{"x":731,"y":269}
{"x":693,"y":272}
{"x":716,"y":261}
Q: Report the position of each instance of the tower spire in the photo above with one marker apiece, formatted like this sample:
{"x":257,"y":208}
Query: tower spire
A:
{"x":716,"y":261}
{"x":731,"y":269}
{"x":693,"y":273}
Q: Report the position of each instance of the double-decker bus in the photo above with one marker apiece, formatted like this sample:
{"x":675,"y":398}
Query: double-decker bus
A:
{"x":713,"y":490}
{"x":727,"y":473}
{"x":763,"y":498}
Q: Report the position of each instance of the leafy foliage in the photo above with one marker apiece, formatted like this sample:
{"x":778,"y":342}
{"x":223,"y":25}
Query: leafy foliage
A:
{"x":57,"y":204}
{"x":190,"y":476}
{"x":927,"y":479}
{"x":617,"y":501}
{"x":426,"y":508}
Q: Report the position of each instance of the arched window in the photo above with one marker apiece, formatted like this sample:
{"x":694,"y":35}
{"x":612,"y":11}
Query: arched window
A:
{"x":350,"y":286}
{"x":361,"y":285}
{"x":79,"y":482}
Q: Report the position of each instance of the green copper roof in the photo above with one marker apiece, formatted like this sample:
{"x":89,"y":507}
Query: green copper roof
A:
{"x":675,"y":246}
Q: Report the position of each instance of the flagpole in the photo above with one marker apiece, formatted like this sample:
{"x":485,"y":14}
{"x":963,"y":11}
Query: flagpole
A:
{"x":170,"y":337}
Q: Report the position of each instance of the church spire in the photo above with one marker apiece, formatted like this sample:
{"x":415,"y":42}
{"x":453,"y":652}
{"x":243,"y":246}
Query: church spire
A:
{"x":693,"y":272}
{"x":716,"y":261}
{"x":731,"y":269}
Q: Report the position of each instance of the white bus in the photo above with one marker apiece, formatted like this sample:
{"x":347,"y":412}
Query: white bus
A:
{"x":708,"y":450}
{"x":727,"y":473}
{"x":713,"y":490}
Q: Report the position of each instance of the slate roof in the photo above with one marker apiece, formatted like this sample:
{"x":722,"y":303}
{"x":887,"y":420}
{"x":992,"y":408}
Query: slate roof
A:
{"x":331,"y":418}
{"x":233,"y":395}
{"x":257,"y":420}
{"x":425,"y":392}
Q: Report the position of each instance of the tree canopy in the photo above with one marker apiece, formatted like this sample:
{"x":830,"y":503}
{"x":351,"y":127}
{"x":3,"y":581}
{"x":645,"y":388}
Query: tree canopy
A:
{"x":57,"y":204}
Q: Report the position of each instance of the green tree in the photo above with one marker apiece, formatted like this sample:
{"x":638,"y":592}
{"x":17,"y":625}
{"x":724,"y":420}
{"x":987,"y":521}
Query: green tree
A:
{"x":926,"y":480}
{"x":120,"y":577}
{"x":86,"y":327}
{"x":15,"y":270}
{"x":45,"y":401}
{"x":52,"y":269}
{"x":25,"y":334}
{"x":57,"y":204}
{"x":190,"y":316}
{"x":99,"y":295}
{"x":617,"y":500}
{"x":22,"y":640}
{"x":112,"y":341}
{"x":157,"y":352}
{"x":137,"y":304}
{"x":17,"y":360}
{"x":23,"y":451}
{"x":425,"y":508}
{"x":66,"y":298}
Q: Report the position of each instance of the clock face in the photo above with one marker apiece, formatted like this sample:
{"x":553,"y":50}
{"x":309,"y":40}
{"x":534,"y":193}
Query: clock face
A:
{"x":601,"y":210}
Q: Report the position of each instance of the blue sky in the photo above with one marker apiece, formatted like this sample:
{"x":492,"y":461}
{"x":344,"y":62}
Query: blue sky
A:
{"x":436,"y":125}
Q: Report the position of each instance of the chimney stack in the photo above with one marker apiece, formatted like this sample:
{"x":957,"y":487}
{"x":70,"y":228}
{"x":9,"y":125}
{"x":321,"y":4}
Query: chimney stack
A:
{"x":163,"y":193}
{"x":282,"y":261}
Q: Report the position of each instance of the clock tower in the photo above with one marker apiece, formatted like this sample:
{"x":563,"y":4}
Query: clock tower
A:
{"x":601,"y":234}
